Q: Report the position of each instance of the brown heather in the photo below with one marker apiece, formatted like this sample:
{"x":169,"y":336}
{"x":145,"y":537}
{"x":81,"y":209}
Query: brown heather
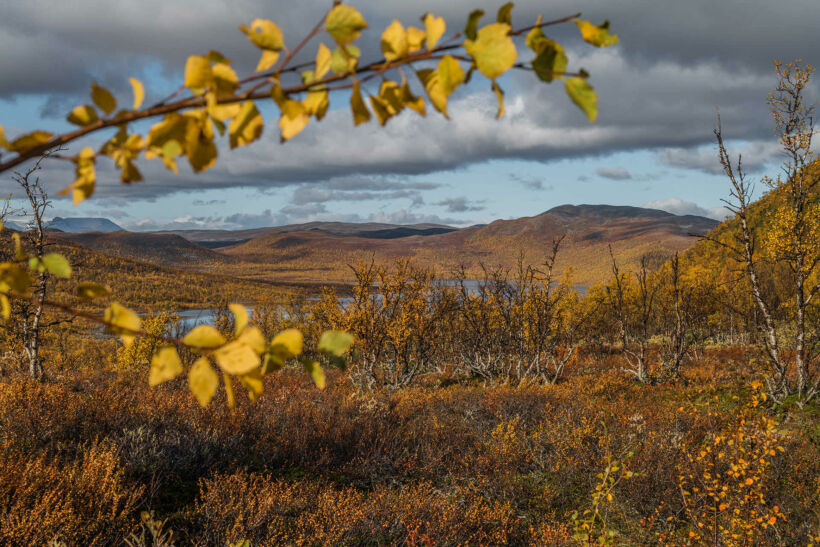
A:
{"x":440,"y":463}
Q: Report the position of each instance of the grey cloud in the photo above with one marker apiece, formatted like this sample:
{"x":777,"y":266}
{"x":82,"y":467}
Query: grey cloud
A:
{"x":460,"y":205}
{"x":202,"y":203}
{"x":538,"y":126}
{"x":613,"y":173}
{"x":360,"y":189}
{"x":673,"y":66}
{"x":69,"y":42}
{"x":113,"y":202}
{"x":304,"y":210}
{"x":310,"y":194}
{"x":112,"y":213}
{"x":290,"y":214}
{"x":187,"y":222}
{"x":378,"y":184}
{"x":258,"y":220}
{"x":235,"y":221}
{"x":678,"y":206}
{"x":405,"y":216}
{"x":531,"y":183}
{"x":755,"y":156}
{"x":293,"y":214}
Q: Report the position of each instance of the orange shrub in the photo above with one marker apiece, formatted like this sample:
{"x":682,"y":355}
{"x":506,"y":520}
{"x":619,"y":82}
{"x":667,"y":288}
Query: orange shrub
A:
{"x":84,"y":502}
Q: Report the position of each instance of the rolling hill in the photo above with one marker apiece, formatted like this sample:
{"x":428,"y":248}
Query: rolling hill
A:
{"x":321,"y":252}
{"x":163,"y":249}
{"x":714,"y":257}
{"x":150,"y":286}
{"x":589,"y":229}
{"x":372,"y":230}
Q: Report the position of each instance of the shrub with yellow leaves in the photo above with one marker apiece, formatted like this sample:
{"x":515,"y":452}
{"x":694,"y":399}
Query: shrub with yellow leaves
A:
{"x":723,"y":481}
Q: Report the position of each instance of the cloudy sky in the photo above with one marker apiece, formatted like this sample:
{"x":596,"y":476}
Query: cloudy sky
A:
{"x":652,"y":144}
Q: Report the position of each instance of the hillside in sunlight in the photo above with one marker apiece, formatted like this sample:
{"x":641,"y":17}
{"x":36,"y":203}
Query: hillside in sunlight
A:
{"x":163,"y":249}
{"x":713,"y":256}
{"x":145,"y":285}
{"x":589,"y":229}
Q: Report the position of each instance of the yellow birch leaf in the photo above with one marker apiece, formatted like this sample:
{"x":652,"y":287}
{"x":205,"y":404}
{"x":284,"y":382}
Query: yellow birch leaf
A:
{"x":103,"y":98}
{"x":254,"y":339}
{"x":316,"y":104}
{"x":499,"y":94}
{"x":391,"y":96}
{"x":429,"y":78}
{"x":505,"y":13}
{"x":253,"y":383}
{"x":472,"y":23}
{"x":441,"y":82}
{"x":83,"y":115}
{"x":203,"y":381}
{"x":583,"y":95}
{"x":344,"y":23}
{"x":122,"y":321}
{"x":597,"y":35}
{"x":246,"y":126}
{"x":229,"y":392}
{"x":240,"y":317}
{"x":139,"y":92}
{"x":293,"y":120}
{"x":130,"y":173}
{"x":410,"y":100}
{"x":435,"y":27}
{"x":83,"y":186}
{"x":53,"y":263}
{"x":450,"y":74}
{"x":198,"y":74}
{"x":335,"y":342}
{"x":493,"y":50}
{"x":415,"y":39}
{"x":220,"y":112}
{"x":24,"y":143}
{"x":199,"y":146}
{"x":165,"y":365}
{"x":236,"y":358}
{"x":204,"y":336}
{"x":340,"y":63}
{"x":264,"y":34}
{"x":316,"y":372}
{"x":323,"y":56}
{"x":380,"y":110}
{"x":360,"y":112}
{"x":267,"y":60}
{"x":550,"y":59}
{"x":287,"y":344}
{"x":394,"y":41}
{"x":225,"y":79}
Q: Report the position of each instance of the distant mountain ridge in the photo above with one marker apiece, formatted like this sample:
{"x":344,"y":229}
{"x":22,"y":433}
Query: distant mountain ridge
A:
{"x":321,"y":252}
{"x":163,"y":249}
{"x":590,"y":230}
{"x":11,"y":225}
{"x":607,"y":211}
{"x":371,"y":230}
{"x":83,"y":224}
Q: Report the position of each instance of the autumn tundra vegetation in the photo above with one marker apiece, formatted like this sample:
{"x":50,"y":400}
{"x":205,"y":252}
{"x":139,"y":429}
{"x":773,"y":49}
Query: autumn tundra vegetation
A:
{"x":676,"y":403}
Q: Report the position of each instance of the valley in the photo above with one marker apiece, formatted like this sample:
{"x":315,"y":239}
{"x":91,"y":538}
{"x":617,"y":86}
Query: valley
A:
{"x":321,"y":252}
